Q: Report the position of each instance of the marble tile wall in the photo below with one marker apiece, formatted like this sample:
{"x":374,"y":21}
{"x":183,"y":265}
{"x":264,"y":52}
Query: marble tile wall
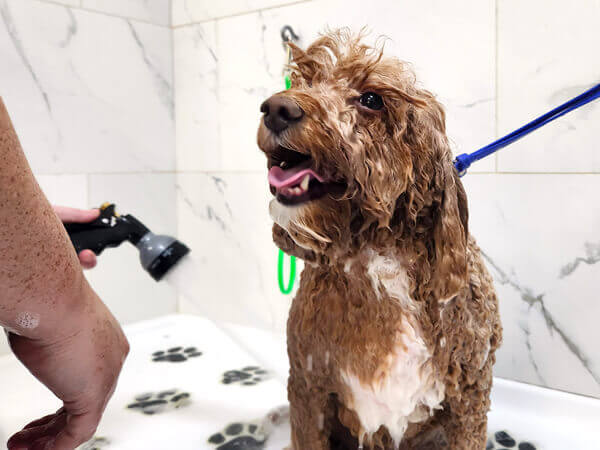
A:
{"x":494,"y":64}
{"x":129,"y":68}
{"x":89,"y":86}
{"x":544,"y":61}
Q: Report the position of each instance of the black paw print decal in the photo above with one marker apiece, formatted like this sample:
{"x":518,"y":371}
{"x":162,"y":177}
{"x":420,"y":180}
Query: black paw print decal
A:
{"x":501,"y":440}
{"x":248,"y":376}
{"x":96,"y":443}
{"x":176,"y":354}
{"x":239,"y":436}
{"x":153,"y":403}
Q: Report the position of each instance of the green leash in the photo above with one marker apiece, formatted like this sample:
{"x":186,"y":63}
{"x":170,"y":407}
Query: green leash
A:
{"x":286,"y":290}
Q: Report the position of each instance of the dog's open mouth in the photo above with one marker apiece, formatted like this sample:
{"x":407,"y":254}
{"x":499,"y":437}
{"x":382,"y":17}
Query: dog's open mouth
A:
{"x":292,"y":178}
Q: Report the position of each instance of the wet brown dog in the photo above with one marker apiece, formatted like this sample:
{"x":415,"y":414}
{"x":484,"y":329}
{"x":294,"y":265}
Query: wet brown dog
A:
{"x":392,"y":333}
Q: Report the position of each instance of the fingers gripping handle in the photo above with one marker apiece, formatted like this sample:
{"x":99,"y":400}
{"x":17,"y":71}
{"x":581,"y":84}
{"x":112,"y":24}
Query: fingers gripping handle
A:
{"x":105,"y":231}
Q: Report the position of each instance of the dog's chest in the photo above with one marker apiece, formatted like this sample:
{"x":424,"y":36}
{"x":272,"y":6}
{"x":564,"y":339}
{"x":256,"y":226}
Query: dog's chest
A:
{"x":360,"y":327}
{"x":393,"y":382}
{"x":404,"y":389}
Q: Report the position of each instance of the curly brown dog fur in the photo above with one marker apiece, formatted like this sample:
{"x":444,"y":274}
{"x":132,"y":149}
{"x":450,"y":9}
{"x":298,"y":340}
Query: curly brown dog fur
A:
{"x":392,"y":333}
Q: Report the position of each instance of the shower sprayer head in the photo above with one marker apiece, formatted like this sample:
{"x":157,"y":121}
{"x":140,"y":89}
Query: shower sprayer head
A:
{"x":158,"y":253}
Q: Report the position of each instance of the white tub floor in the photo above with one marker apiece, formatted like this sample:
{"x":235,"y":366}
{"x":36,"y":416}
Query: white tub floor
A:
{"x":169,"y":419}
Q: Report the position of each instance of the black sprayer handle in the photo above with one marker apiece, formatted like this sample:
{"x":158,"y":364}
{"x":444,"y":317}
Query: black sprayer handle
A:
{"x":100,"y":233}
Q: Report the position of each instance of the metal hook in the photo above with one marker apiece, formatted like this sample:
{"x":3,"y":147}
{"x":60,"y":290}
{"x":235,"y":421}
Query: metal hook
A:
{"x":288,"y":34}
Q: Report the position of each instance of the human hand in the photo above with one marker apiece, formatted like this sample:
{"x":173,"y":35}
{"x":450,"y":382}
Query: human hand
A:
{"x":80,"y":366}
{"x":87,"y":258}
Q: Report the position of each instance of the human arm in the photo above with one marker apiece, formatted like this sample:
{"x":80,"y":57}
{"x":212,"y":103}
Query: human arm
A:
{"x":58,"y":327}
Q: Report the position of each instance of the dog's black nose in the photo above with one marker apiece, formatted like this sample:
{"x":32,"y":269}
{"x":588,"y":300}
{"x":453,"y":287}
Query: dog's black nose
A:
{"x":280,"y":112}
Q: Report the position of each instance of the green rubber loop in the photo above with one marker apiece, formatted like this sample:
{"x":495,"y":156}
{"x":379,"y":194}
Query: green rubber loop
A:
{"x":286,"y":289}
{"x":290,"y":286}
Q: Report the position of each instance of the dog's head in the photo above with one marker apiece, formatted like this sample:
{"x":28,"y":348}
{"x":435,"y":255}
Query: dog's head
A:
{"x":357,"y":154}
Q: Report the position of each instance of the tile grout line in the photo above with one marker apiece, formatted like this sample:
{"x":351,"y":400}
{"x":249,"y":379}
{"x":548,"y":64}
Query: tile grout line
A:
{"x":125,"y":172}
{"x":242,"y":13}
{"x":508,"y":172}
{"x":218,"y":89}
{"x":178,"y":306}
{"x":103,"y":13}
{"x":262,"y":172}
{"x":496,"y":77}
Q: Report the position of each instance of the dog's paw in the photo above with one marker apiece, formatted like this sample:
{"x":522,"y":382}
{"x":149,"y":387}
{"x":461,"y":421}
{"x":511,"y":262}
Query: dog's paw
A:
{"x":96,"y":443}
{"x":502,"y":440}
{"x":175,"y":354}
{"x":246,"y":436}
{"x":154,"y":403}
{"x":248,"y":376}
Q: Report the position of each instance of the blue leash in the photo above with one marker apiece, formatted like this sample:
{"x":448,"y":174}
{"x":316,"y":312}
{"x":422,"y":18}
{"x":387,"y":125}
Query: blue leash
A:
{"x":462,"y":162}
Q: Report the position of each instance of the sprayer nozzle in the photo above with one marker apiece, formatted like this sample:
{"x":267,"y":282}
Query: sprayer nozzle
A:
{"x":167,"y":259}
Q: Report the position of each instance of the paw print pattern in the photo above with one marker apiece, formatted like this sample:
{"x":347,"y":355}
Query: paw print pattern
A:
{"x":154,"y":403}
{"x":248,"y":376}
{"x":502,"y":440}
{"x":96,"y":443}
{"x":239,"y":436}
{"x":176,"y":354}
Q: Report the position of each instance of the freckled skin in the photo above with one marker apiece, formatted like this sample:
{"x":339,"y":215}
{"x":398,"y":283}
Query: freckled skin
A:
{"x":77,"y":348}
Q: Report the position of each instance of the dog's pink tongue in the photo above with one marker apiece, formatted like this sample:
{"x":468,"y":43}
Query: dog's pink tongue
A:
{"x":281,"y":178}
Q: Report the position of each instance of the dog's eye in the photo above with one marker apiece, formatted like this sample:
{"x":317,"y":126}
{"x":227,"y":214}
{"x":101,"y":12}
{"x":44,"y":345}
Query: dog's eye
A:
{"x":371,"y":100}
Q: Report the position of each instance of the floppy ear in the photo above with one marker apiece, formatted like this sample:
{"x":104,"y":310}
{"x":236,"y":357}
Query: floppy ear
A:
{"x":450,"y":235}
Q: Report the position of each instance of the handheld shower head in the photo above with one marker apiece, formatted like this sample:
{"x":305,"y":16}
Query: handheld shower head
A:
{"x":158,"y":253}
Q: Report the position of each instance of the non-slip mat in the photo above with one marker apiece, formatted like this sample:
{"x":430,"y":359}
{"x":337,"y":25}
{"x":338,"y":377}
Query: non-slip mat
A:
{"x":185,"y":385}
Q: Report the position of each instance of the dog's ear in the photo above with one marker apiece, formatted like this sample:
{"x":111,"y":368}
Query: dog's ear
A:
{"x":285,"y":242}
{"x":304,"y":66}
{"x":316,"y":62}
{"x":450,"y":234}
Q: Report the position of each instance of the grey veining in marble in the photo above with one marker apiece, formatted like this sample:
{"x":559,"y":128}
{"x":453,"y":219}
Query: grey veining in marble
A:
{"x":75,"y":79}
{"x":532,"y":299}
{"x":592,"y":256}
{"x":163,"y":85}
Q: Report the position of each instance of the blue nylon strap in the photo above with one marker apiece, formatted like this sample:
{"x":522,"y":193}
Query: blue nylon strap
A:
{"x":462,"y":162}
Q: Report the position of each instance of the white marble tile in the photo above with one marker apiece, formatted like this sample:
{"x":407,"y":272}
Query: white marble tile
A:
{"x":447,"y":59}
{"x":65,"y":2}
{"x":193,"y":11}
{"x":152,"y":11}
{"x":545,"y":57}
{"x":87,"y":92}
{"x":148,"y":196}
{"x":224,"y":219}
{"x":239,"y":151}
{"x":196,"y":98}
{"x":246,"y":78}
{"x":119,"y":278}
{"x":542,"y":242}
{"x":65,"y":190}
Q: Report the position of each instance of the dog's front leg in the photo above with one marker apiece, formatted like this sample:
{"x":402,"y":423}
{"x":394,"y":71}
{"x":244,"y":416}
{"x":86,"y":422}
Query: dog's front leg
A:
{"x":309,"y":410}
{"x":466,"y":425}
